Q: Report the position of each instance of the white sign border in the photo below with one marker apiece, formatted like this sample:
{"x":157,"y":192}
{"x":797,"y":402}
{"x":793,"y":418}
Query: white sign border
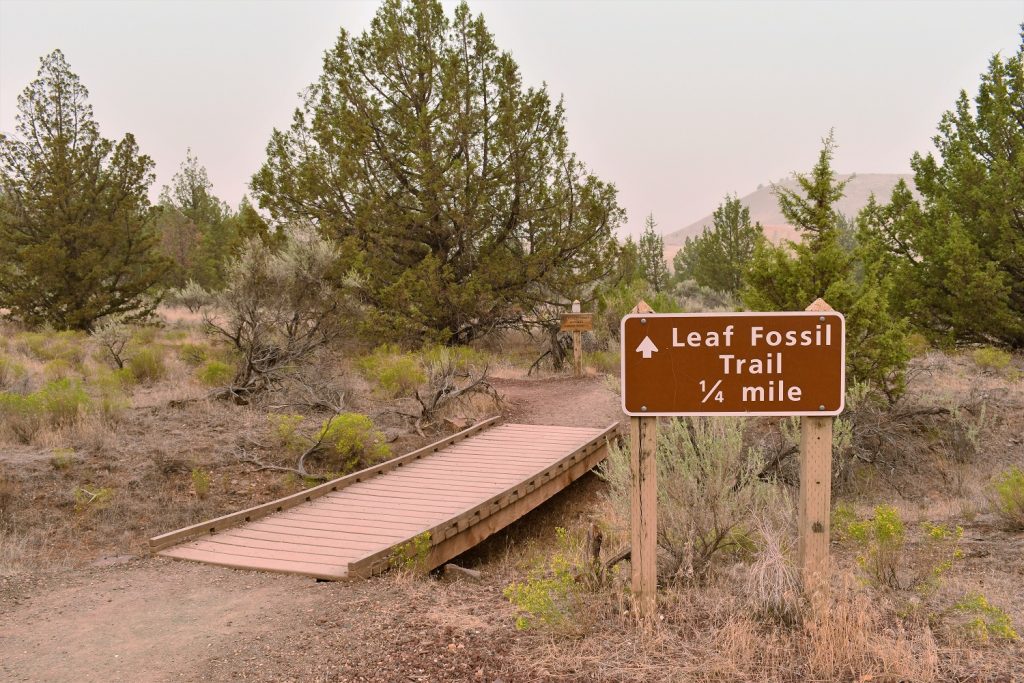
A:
{"x":736,"y":314}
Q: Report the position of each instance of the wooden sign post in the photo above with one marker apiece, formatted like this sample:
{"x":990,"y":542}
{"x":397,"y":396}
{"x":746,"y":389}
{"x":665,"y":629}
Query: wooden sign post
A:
{"x":643,"y":446}
{"x":814,"y":507}
{"x":688,"y":364}
{"x":577,"y":323}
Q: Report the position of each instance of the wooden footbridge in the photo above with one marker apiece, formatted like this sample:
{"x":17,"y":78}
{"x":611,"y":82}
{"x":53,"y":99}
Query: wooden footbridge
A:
{"x":460,"y":490}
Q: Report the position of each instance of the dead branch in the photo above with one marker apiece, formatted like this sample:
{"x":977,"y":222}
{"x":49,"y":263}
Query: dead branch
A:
{"x":300,"y":464}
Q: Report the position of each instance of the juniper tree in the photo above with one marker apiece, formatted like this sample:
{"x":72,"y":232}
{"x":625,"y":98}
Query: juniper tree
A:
{"x":452,"y":184}
{"x":651,"y":252}
{"x":790,"y":276}
{"x":75,"y":237}
{"x":956,"y":255}
{"x":719,"y":256}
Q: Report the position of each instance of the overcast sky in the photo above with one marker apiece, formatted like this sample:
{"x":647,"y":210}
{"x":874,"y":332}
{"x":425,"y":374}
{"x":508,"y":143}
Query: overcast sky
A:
{"x":677,"y":103}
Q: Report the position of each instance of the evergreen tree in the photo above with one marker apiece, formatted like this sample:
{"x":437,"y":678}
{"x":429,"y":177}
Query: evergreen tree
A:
{"x":957,"y":255}
{"x":453,"y":185}
{"x":651,"y":253}
{"x":198,"y":225}
{"x":790,"y":276}
{"x":76,"y":242}
{"x":720,"y":255}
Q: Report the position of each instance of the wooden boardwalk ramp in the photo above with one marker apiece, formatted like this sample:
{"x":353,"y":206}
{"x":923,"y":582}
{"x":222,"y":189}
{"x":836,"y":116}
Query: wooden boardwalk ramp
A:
{"x":461,"y":490}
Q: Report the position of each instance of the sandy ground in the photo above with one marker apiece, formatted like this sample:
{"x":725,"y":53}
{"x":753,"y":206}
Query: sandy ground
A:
{"x":153,"y":619}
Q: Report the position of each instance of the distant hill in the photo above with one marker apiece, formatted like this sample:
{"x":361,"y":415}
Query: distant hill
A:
{"x":764,"y":208}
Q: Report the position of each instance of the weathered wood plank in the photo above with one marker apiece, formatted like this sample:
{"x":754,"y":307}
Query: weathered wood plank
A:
{"x":226,"y":521}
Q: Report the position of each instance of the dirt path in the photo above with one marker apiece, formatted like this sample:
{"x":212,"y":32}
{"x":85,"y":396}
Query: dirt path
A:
{"x":158,"y":620}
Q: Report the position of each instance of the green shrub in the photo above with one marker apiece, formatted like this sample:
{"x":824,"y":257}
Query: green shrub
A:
{"x":412,"y":555}
{"x":56,"y":404}
{"x":286,"y":431}
{"x":351,"y":439}
{"x":58,"y":368}
{"x":461,"y":358}
{"x":549,"y":595}
{"x":395,"y":373}
{"x":882,"y":542}
{"x":110,"y":392}
{"x":709,"y":488}
{"x":1007,"y":495}
{"x":47,"y":346}
{"x":11,"y":372}
{"x":192,"y":354}
{"x":144,"y":336}
{"x":607,"y":362}
{"x":200,"y":482}
{"x":147,"y":364}
{"x":23,"y":414}
{"x":63,"y":400}
{"x":986,"y":621}
{"x":917,"y":344}
{"x":991,"y":358}
{"x":215,"y":373}
{"x":62,"y":458}
{"x":843,"y":516}
{"x":86,"y":499}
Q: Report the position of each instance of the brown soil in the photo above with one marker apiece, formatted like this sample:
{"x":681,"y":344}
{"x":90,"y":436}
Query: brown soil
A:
{"x":153,"y":619}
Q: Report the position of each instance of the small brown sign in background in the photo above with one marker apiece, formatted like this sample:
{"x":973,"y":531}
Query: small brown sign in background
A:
{"x":577,"y":322}
{"x":733,"y":363}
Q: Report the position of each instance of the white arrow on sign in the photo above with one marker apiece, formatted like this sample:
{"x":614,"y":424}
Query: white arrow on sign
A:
{"x":647,"y":347}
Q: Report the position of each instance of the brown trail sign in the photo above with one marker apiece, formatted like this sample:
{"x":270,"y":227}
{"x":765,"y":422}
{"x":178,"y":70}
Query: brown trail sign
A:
{"x":577,"y":323}
{"x":719,"y":364}
{"x":733,"y":363}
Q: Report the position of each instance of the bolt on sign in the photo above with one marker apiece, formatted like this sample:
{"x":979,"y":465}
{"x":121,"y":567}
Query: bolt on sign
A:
{"x":577,"y":322}
{"x":790,"y":363}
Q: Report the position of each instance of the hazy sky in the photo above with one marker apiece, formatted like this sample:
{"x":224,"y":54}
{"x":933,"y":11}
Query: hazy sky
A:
{"x":677,"y":103}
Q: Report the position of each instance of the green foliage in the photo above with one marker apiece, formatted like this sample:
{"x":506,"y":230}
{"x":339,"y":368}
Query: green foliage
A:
{"x":197,"y":230}
{"x":709,"y":488}
{"x":883,"y":554}
{"x":917,"y":344}
{"x":615,"y":302}
{"x":548,"y":597}
{"x":214,"y":373}
{"x":286,"y":430}
{"x":791,"y":276}
{"x":843,"y":515}
{"x":990,"y":358}
{"x":719,"y":257}
{"x":395,"y":373}
{"x":57,"y":403}
{"x":1007,"y":495}
{"x":651,"y":256}
{"x":57,"y":369}
{"x":412,"y":555}
{"x":607,"y":362}
{"x":193,"y":354}
{"x":475,"y":213}
{"x":200,"y":482}
{"x":88,"y":499}
{"x":110,"y":389}
{"x":986,"y":621}
{"x":75,"y":238}
{"x":12,"y":373}
{"x":147,"y":364}
{"x":956,"y":252}
{"x":49,"y":345}
{"x":279,"y":305}
{"x":62,"y":458}
{"x":352,"y":441}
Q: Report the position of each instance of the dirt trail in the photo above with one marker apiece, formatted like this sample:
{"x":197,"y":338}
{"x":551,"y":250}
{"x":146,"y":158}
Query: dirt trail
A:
{"x":160,"y":620}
